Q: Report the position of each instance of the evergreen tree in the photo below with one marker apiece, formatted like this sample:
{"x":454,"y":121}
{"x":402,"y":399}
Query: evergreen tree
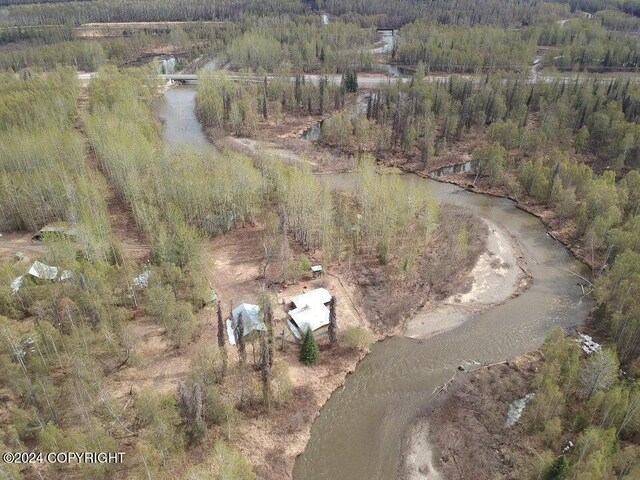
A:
{"x":333,"y":325}
{"x":559,"y":470}
{"x":239,"y":334}
{"x":221,"y":345}
{"x":309,"y":352}
{"x":265,"y":370}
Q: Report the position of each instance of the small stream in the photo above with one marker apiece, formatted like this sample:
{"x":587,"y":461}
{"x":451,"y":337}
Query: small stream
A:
{"x":359,"y":431}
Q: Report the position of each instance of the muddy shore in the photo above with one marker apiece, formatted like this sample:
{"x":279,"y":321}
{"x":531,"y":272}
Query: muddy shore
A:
{"x":462,"y":434}
{"x":499,"y":274}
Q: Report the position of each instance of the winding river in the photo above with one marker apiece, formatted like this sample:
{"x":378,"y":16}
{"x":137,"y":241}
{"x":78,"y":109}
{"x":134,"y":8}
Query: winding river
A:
{"x":358,"y":434}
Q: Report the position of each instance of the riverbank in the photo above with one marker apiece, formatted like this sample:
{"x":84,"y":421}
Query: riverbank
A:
{"x":462,"y":433}
{"x":500,"y":273}
{"x":563,"y":232}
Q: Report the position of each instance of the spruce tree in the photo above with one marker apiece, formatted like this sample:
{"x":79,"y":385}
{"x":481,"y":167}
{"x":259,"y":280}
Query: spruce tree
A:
{"x":309,"y":352}
{"x":221,"y":344}
{"x":333,"y":323}
{"x":265,"y":370}
{"x":239,"y":333}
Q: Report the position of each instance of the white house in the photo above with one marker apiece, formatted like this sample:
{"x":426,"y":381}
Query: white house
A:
{"x":310,"y":312}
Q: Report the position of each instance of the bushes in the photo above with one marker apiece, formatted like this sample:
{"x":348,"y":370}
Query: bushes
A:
{"x":281,"y":384}
{"x":358,"y":338}
{"x":176,"y":317}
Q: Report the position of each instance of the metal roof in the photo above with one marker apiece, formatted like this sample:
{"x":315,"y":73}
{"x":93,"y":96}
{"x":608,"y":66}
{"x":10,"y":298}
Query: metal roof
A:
{"x":45,"y":272}
{"x":250,"y":319}
{"x":307,"y":317}
{"x":317,"y":296}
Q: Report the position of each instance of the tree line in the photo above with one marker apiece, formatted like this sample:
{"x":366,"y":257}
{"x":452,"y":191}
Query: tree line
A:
{"x":303,"y":42}
{"x":463,"y":49}
{"x":585,"y":414}
{"x":583,"y":44}
{"x":238,"y":107}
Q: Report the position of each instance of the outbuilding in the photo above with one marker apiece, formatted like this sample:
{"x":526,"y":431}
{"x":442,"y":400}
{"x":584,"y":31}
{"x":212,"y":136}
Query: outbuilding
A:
{"x":250,"y":319}
{"x":62,"y":229}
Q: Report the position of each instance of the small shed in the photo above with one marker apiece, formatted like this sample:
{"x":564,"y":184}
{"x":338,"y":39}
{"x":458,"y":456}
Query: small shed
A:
{"x":63,"y":229}
{"x":250,"y":318}
{"x":142,"y":280}
{"x":43,"y":271}
{"x":310,"y":312}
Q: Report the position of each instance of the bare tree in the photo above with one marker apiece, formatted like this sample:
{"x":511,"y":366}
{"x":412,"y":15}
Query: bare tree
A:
{"x":599,"y":372}
{"x":190,"y":406}
{"x":268,"y":320}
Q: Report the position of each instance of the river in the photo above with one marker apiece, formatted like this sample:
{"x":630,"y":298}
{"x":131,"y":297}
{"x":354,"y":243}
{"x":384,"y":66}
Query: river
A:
{"x":359,"y":431}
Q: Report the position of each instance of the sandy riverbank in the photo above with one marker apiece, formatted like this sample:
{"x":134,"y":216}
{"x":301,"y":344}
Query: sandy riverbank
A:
{"x":499,"y":274}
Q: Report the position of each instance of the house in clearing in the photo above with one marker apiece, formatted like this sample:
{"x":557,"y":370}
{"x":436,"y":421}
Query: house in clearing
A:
{"x":310,"y":312}
{"x":250,"y":319}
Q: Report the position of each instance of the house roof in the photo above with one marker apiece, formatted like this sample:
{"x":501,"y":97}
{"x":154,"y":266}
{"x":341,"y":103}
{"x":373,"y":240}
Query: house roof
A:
{"x":42,"y":271}
{"x":250,"y":319}
{"x":16,"y":284}
{"x":313,"y":297}
{"x":142,"y":280}
{"x":312,"y":317}
{"x":45,"y":272}
{"x":58,"y":228}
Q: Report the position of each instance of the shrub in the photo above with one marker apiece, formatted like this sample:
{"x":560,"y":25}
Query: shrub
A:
{"x":358,"y":338}
{"x":281,"y":384}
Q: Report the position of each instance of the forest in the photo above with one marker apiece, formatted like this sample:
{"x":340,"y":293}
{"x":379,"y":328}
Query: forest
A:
{"x":125,"y":347}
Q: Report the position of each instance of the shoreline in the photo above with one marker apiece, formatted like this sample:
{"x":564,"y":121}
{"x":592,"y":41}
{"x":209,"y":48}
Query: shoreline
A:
{"x":431,"y":446}
{"x":500,"y":273}
{"x":536,"y":210}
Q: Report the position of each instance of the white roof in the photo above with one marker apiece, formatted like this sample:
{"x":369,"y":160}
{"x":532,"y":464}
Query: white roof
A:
{"x":45,"y":272}
{"x":308,"y":317}
{"x":251,"y":321}
{"x":142,"y":280}
{"x":316,"y":268}
{"x":16,"y":284}
{"x":60,"y":228}
{"x":66,"y":275}
{"x":314,"y":297}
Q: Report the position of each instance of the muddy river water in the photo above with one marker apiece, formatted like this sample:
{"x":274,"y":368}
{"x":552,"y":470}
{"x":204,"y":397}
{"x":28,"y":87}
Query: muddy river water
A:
{"x":358,"y":434}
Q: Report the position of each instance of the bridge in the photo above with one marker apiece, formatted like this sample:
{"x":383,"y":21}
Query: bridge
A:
{"x":363,"y":81}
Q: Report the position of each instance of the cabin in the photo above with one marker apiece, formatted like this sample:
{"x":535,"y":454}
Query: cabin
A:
{"x":250,"y":318}
{"x":310,"y":311}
